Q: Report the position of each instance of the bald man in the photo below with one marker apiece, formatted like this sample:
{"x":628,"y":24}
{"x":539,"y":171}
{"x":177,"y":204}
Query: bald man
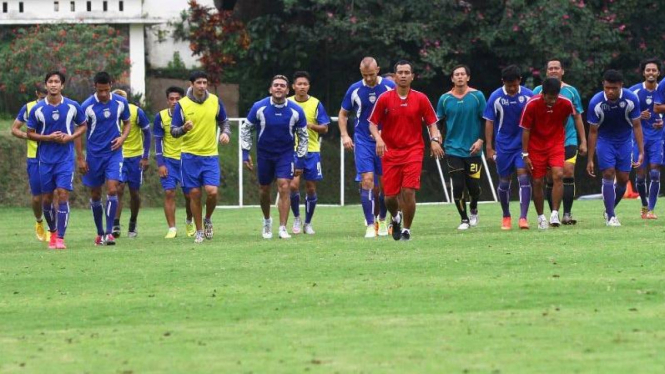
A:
{"x":360,"y":99}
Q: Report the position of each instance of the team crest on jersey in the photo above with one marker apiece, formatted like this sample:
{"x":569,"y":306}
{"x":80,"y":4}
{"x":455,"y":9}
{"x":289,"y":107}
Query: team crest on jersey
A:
{"x":649,"y":101}
{"x":521,"y":99}
{"x":107,"y":113}
{"x":372,"y":98}
{"x":55,"y":115}
{"x":622,"y":105}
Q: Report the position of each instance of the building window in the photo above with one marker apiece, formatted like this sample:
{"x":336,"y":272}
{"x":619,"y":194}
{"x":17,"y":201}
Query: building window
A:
{"x":20,"y":7}
{"x":88,"y":5}
{"x":105,"y":5}
{"x":121,"y":5}
{"x":72,"y":6}
{"x":56,"y":6}
{"x":4,"y":7}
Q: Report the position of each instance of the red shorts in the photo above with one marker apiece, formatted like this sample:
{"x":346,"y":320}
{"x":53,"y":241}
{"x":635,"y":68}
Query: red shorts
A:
{"x":398,"y":176}
{"x":541,"y":160}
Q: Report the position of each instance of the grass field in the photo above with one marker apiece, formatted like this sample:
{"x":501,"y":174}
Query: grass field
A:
{"x":583,"y":299}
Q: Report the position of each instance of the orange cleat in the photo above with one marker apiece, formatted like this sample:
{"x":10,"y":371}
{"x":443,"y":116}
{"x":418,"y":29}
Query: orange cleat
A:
{"x":524,"y":224}
{"x":52,"y":243}
{"x":506,"y":224}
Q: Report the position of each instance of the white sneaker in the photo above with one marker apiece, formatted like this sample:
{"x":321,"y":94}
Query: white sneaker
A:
{"x":613,"y":222}
{"x":473,"y":220}
{"x":554,"y":219}
{"x":297,"y":224}
{"x":267,"y":228}
{"x":463,"y":226}
{"x":283,"y":234}
{"x":198,"y":239}
{"x":370,"y":232}
{"x":542,"y":223}
{"x":308,"y":229}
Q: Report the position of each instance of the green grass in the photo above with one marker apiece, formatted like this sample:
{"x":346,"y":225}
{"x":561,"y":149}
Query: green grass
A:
{"x":585,"y":299}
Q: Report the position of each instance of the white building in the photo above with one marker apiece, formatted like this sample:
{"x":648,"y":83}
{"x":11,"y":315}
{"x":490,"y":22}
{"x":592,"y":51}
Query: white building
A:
{"x":144,"y":18}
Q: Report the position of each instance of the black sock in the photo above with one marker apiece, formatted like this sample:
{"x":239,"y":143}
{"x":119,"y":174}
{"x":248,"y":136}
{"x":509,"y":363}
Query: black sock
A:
{"x":132,"y":225}
{"x":461,"y":208}
{"x":116,"y":222}
{"x":568,"y":194}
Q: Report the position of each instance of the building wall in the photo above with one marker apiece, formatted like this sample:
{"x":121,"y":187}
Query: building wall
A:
{"x":36,"y":10}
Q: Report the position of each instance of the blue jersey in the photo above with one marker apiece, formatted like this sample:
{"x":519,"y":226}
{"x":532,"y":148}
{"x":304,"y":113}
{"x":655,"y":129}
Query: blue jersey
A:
{"x":505,"y":111}
{"x":361,"y":98}
{"x":646,"y":98}
{"x":276,"y":125}
{"x":614,"y":119}
{"x":46,"y":119}
{"x":570,"y":93}
{"x":104,"y":123}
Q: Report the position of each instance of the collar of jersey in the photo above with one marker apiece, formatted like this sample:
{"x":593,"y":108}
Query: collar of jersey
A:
{"x":277,"y":105}
{"x":378,"y":82}
{"x":519,"y":91}
{"x":110,"y":98}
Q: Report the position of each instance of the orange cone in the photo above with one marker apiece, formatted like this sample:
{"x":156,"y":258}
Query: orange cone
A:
{"x":630,"y":193}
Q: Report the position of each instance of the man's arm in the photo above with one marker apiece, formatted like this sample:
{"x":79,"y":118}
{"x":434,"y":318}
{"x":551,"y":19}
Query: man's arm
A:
{"x":380,"y":145}
{"x":321,"y":129}
{"x":639,"y":138}
{"x":16,"y":130}
{"x":579,"y":127}
{"x":489,"y":135}
{"x":342,"y":121}
{"x":526,"y":135}
{"x":593,"y":137}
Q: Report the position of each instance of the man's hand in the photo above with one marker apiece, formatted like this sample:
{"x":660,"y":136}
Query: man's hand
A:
{"x":55,"y":136}
{"x":582,"y":149}
{"x":476,"y":147}
{"x":248,"y":163}
{"x":490,"y":155}
{"x":297,"y":172}
{"x":528,"y":164}
{"x":437,"y":151}
{"x":144,"y":164}
{"x":590,"y":168}
{"x":163,"y":171}
{"x":82,"y":165}
{"x":347,"y":142}
{"x":380,"y":147}
{"x":639,"y":161}
{"x":188,"y":126}
{"x":117,"y":143}
{"x":224,"y":139}
{"x":646,"y":114}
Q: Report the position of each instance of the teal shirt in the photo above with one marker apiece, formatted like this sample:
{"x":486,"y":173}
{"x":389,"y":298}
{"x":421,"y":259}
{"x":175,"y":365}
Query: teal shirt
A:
{"x":464,"y":121}
{"x":571,"y":93}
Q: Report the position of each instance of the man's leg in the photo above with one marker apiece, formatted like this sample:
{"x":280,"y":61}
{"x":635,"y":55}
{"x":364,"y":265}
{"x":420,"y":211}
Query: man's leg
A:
{"x":549,"y":184}
{"x":295,"y":196}
{"x":459,"y":183}
{"x":609,"y":193}
{"x":568,"y":187}
{"x":310,"y":201}
{"x":135,"y":205}
{"x":525,"y":192}
{"x":641,"y":187}
{"x":538,"y":198}
{"x":622,"y":178}
{"x":118,"y":213}
{"x":63,"y":211}
{"x":195,"y":206}
{"x":473,"y":173}
{"x":367,"y":197}
{"x":408,"y":207}
{"x":654,"y":187}
{"x":504,"y":195}
{"x":557,"y":194}
{"x":211,"y":205}
{"x":284,"y":201}
{"x":111,"y":203}
{"x":37,"y":207}
{"x":169,"y":207}
{"x":97,"y":209}
{"x":49,"y":212}
{"x":264,"y":199}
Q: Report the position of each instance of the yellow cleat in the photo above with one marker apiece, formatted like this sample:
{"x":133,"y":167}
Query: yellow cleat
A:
{"x":383,"y":228}
{"x":171,"y":234}
{"x":190,"y":229}
{"x":40,"y":232}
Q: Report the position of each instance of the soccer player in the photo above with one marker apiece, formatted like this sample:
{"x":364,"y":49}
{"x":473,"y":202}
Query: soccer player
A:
{"x":135,"y":153}
{"x":360,"y":98}
{"x":652,"y":132}
{"x":401,"y":113}
{"x":574,"y":131}
{"x":504,"y":108}
{"x":543,"y":136}
{"x":317,"y":124}
{"x":55,"y":123}
{"x":196,"y":119}
{"x":102,"y":165}
{"x":167,"y":153}
{"x":276,"y":120}
{"x":613,"y":115}
{"x":461,"y":112}
{"x":32,"y":162}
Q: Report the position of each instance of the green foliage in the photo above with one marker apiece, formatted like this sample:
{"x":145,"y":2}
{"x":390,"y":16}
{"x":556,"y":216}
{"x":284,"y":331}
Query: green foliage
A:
{"x":78,"y":50}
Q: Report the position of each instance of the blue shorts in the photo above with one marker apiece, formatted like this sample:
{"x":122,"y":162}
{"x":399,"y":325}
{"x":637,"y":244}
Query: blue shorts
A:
{"x":33,"y":176}
{"x":171,"y":181}
{"x":508,"y":162}
{"x":312,"y":166}
{"x":198,"y":171}
{"x":101,"y":169}
{"x":653,"y":152}
{"x":270,"y":167}
{"x":366,"y":158}
{"x":617,"y":156}
{"x":60,"y":175}
{"x":132,"y":172}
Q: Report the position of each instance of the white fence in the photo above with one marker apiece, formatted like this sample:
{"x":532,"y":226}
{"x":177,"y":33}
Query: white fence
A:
{"x":445,"y":183}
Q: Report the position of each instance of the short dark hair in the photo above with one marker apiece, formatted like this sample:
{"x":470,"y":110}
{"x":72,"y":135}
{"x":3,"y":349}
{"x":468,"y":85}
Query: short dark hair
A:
{"x":467,"y":69}
{"x":197,"y":74}
{"x":551,"y":86}
{"x":403,"y":62}
{"x":174,"y":89}
{"x":559,"y":60}
{"x":302,"y":74}
{"x":511,"y":73}
{"x":40,"y":88}
{"x":644,"y":63}
{"x":102,"y":78}
{"x":388,"y":75}
{"x":613,"y":76}
{"x":279,"y":76}
{"x":60,"y":74}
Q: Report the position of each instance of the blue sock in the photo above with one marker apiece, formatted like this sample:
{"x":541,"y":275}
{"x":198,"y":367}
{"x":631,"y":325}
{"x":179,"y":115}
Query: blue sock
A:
{"x":49,"y":215}
{"x":111,"y":208}
{"x":383,"y":209}
{"x":525,"y":194}
{"x":367,"y":200}
{"x":654,"y":188}
{"x":63,"y":219}
{"x":97,"y":214}
{"x":619,"y":190}
{"x":609,"y":196}
{"x":310,"y":205}
{"x":641,"y":187}
{"x":504,"y":197}
{"x":295,"y":203}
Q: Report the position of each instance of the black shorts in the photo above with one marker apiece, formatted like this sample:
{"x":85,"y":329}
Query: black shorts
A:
{"x":570,"y":154}
{"x":472,"y":166}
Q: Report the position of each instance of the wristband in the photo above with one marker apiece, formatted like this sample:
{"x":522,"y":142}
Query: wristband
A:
{"x":525,"y":154}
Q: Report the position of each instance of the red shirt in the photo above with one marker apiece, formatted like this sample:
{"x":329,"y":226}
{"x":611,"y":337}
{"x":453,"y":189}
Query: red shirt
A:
{"x":401,"y":124}
{"x":547,"y":124}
